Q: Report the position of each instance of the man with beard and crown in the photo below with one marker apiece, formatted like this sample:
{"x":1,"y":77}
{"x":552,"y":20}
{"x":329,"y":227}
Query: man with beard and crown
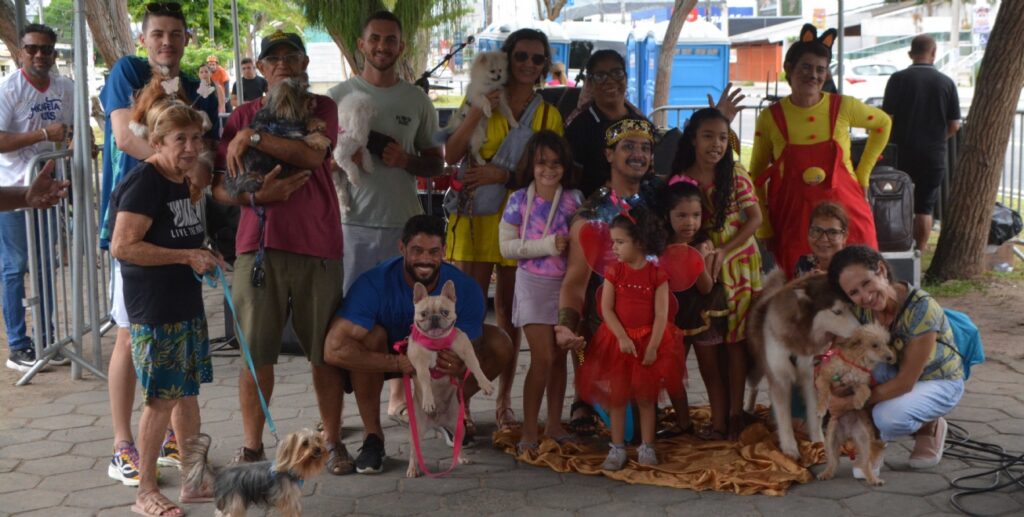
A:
{"x":378,"y":312}
{"x":384,"y":199}
{"x":629,"y":149}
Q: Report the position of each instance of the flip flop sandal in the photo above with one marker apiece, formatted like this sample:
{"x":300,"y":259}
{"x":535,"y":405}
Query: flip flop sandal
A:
{"x":526,"y":447}
{"x":583,"y":425}
{"x":156,"y":504}
{"x":401,"y":416}
{"x":673,"y":431}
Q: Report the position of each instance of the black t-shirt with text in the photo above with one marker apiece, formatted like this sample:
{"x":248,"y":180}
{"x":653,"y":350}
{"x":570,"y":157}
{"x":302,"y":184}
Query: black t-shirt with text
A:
{"x":157,"y":295}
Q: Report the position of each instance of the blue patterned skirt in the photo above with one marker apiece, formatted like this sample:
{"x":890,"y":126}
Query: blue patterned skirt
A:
{"x":172,"y":359}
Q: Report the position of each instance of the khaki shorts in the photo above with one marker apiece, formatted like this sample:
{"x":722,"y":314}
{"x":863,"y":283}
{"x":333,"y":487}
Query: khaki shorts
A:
{"x":307,"y":287}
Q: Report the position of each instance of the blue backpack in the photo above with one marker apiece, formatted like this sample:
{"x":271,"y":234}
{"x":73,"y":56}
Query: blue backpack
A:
{"x":967,"y":339}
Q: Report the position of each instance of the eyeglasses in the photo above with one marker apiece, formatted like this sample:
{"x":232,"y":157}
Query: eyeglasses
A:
{"x":599,"y":77}
{"x":288,"y":59}
{"x":538,"y":59}
{"x":163,"y":8}
{"x":833,"y":234}
{"x":46,"y":50}
{"x":810,"y":69}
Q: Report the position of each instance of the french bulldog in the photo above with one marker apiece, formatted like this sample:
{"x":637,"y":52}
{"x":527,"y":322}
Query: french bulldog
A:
{"x":433,"y":330}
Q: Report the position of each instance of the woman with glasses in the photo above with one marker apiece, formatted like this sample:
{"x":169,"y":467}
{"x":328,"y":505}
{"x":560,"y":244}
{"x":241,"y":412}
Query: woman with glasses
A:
{"x":604,"y":103}
{"x":826,"y":235}
{"x":473,"y":231}
{"x":801,"y":153}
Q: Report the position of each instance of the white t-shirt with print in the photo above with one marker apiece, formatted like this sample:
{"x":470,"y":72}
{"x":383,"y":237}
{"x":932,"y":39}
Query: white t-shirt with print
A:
{"x":23,"y":109}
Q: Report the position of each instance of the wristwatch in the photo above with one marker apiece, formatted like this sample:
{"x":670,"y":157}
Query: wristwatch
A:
{"x":254,"y":139}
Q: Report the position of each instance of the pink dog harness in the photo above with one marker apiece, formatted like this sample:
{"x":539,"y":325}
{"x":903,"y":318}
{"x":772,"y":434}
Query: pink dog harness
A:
{"x":436,"y":345}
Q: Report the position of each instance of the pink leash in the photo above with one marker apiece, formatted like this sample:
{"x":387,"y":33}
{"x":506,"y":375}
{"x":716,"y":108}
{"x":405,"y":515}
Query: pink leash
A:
{"x":410,"y":404}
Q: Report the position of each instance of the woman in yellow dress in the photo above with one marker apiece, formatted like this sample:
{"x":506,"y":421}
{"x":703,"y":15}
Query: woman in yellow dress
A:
{"x":472,"y":242}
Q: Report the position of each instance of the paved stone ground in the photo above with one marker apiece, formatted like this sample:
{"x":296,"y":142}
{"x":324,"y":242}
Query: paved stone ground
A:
{"x":55,"y":441}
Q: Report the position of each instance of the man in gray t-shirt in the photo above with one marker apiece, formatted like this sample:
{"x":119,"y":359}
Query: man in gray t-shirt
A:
{"x":386,"y":198}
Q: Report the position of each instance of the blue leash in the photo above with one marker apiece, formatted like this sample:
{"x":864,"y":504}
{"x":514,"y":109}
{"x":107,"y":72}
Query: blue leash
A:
{"x":212,"y":280}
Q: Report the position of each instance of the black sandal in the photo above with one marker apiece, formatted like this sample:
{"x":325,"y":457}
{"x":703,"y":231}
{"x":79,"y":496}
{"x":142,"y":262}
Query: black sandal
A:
{"x":585,"y":425}
{"x":674,"y":431}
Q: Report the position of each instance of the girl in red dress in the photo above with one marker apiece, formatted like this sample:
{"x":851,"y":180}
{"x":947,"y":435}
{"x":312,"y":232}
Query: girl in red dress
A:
{"x":637,"y":351}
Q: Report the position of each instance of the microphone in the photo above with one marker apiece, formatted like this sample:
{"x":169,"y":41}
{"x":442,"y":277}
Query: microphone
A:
{"x":470,"y":40}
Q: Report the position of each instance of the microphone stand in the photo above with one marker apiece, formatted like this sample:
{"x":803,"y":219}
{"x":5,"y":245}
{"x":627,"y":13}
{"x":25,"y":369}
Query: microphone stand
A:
{"x":424,"y":80}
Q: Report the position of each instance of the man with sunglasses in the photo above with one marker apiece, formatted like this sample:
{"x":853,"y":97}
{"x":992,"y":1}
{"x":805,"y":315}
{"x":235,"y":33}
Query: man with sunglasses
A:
{"x":164,"y":35}
{"x":36,"y":110}
{"x":289,"y":248}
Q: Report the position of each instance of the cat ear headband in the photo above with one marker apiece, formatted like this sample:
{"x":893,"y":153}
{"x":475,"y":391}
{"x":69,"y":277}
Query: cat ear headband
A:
{"x":809,"y":33}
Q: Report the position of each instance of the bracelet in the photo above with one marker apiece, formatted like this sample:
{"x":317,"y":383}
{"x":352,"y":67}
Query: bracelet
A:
{"x":569,"y":317}
{"x":46,"y":135}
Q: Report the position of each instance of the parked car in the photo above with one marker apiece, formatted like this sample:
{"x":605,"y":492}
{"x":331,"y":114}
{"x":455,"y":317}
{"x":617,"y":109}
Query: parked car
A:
{"x":865,"y":79}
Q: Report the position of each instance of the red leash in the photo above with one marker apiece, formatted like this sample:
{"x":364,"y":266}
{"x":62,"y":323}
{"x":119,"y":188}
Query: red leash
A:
{"x":410,"y":404}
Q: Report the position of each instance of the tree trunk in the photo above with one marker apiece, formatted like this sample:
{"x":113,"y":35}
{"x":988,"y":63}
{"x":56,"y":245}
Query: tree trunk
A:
{"x":8,"y":30}
{"x":960,"y":253}
{"x":667,"y":55}
{"x":111,"y":32}
{"x":554,"y":8}
{"x":350,"y":58}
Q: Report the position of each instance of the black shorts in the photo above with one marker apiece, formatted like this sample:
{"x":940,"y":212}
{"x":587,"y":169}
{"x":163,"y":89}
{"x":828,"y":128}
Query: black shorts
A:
{"x":927,"y":173}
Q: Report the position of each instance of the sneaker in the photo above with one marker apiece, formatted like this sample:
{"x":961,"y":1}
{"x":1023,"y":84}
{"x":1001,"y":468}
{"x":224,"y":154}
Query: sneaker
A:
{"x":449,"y":437}
{"x":928,"y":447}
{"x":876,"y":468}
{"x":371,"y":455}
{"x":22,"y":360}
{"x":124,"y":465}
{"x":616,"y":458}
{"x":245,"y":455}
{"x":646,"y":455}
{"x":169,"y":454}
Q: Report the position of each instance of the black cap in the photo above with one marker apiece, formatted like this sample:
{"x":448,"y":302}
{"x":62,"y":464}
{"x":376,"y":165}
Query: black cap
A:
{"x":280,"y":38}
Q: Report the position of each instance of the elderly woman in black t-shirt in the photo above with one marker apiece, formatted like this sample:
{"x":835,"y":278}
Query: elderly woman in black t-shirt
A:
{"x":158,"y":238}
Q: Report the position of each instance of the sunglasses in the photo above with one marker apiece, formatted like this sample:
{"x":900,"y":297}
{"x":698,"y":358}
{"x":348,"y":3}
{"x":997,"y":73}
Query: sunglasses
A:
{"x":163,"y":8}
{"x":538,"y":59}
{"x":599,"y":77}
{"x":46,"y":50}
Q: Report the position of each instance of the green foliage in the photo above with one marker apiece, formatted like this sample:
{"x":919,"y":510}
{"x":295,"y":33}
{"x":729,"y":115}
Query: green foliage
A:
{"x":59,"y":15}
{"x":266,"y":15}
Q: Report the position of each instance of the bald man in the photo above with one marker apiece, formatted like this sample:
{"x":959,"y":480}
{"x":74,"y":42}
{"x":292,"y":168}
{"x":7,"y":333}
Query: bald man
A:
{"x":925,"y":110}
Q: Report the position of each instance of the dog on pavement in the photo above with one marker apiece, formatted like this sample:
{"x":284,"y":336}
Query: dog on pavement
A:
{"x":849,"y":364}
{"x":789,"y":325}
{"x":300,"y":456}
{"x":433,"y":330}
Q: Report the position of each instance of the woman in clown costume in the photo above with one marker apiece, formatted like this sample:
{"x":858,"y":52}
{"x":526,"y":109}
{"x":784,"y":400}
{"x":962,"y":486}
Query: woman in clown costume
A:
{"x":801,"y":153}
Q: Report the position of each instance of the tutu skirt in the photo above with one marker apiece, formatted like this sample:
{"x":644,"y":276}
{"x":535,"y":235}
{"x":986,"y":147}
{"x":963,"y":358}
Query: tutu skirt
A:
{"x":612,"y":378}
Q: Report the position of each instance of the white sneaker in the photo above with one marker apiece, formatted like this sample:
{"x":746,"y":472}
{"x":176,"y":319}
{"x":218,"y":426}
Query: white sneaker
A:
{"x":646,"y":455}
{"x":616,"y":458}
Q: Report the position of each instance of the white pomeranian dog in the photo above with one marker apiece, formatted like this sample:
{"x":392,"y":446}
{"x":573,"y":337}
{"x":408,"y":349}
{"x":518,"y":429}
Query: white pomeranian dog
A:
{"x":488,"y":72}
{"x":355,"y":112}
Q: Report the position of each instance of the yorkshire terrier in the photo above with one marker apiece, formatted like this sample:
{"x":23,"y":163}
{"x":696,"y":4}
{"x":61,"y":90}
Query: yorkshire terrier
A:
{"x":849,"y":364}
{"x":287,"y":113}
{"x":300,"y":456}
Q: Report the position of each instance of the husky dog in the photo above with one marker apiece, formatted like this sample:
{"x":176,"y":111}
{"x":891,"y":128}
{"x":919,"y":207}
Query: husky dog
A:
{"x":488,"y":72}
{"x":790,"y":324}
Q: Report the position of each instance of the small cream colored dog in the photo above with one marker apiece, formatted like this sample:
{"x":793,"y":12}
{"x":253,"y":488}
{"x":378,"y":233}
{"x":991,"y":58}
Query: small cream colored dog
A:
{"x":849,"y":363}
{"x":434,"y":330}
{"x":355,"y":113}
{"x":488,"y":72}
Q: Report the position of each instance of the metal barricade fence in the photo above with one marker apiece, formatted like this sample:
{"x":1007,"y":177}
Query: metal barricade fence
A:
{"x":67,"y":299}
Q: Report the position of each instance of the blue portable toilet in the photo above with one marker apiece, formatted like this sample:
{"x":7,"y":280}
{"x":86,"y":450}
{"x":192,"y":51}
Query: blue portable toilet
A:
{"x":632,"y":69}
{"x":700,"y":66}
{"x":492,"y":37}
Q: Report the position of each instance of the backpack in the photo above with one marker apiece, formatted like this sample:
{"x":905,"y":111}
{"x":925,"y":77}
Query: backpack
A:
{"x":967,"y":339}
{"x":891,"y":196}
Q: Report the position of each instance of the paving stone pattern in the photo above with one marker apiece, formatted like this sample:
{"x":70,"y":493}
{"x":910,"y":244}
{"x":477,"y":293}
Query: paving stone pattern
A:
{"x":53,"y":459}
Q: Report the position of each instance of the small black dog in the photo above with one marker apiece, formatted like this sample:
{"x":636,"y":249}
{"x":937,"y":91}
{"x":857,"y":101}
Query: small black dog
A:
{"x":288,"y":113}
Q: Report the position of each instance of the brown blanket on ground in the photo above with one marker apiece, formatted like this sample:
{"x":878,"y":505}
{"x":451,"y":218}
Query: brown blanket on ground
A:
{"x":754,"y":465}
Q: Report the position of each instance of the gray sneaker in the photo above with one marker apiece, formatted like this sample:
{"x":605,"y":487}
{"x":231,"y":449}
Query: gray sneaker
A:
{"x":616,"y":458}
{"x":646,"y":455}
{"x":22,"y":360}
